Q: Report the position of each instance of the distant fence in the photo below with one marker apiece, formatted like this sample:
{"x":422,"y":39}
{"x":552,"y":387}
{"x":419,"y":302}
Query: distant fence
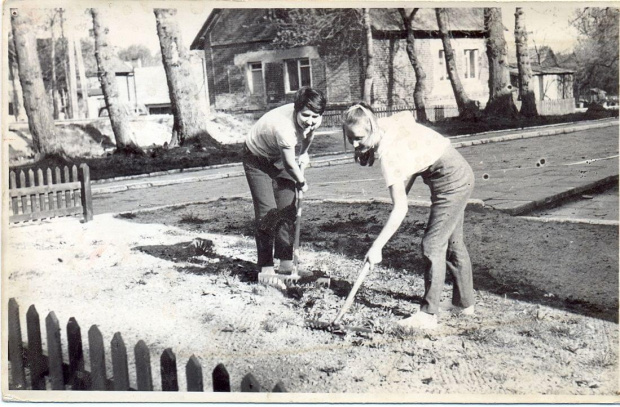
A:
{"x":60,"y":193}
{"x":50,"y":372}
{"x":333,"y":118}
{"x":556,"y":107}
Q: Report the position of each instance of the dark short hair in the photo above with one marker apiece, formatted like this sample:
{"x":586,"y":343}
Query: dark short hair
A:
{"x":311,"y":98}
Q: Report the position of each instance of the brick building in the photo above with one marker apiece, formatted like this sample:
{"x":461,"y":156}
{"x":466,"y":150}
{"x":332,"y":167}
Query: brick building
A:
{"x":246,"y":72}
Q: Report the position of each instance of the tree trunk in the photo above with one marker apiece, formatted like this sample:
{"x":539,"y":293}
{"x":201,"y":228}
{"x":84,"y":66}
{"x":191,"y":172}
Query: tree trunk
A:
{"x":419,"y":93}
{"x":18,"y":111}
{"x":527,"y":96}
{"x":500,"y":91}
{"x":369,"y":58}
{"x":468,"y":109}
{"x":72,"y":79}
{"x":54,"y":83}
{"x":82,"y":75}
{"x":119,"y":117}
{"x":36,"y":102}
{"x":188,"y":102}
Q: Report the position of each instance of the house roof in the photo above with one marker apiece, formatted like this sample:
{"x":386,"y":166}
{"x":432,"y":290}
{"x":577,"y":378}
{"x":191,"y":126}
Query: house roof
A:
{"x":243,"y":25}
{"x":119,"y":66}
{"x":543,"y":70}
{"x":151,"y":85}
{"x":459,"y":19}
{"x":234,"y":26}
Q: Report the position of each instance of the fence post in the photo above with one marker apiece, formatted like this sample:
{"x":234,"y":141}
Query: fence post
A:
{"x":249,"y":384}
{"x":36,"y":362}
{"x":34,"y":201}
{"x":119,"y":363}
{"x":22,"y":184}
{"x":16,"y":348}
{"x":169,"y":380}
{"x":41,"y":182}
{"x":60,"y":199}
{"x":221,"y":379}
{"x":76,"y":355}
{"x":193,"y":372}
{"x":97,"y":359}
{"x":87,"y":199}
{"x":54,"y":352}
{"x":68,"y":198}
{"x":144,"y":378}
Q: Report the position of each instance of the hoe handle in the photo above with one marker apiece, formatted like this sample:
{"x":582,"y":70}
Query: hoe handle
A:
{"x":300,"y":197}
{"x":349,"y":301}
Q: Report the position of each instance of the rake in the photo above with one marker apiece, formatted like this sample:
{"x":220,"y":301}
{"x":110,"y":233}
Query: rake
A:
{"x":335,"y":326}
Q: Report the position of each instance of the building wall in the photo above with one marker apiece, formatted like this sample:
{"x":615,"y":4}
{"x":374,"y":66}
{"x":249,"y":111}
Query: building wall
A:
{"x":394,"y":78}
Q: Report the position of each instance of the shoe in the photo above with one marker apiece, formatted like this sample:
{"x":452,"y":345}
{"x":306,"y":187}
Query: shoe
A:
{"x":420,"y":320}
{"x":267,"y":270}
{"x":469,"y":311}
{"x":286,"y":267}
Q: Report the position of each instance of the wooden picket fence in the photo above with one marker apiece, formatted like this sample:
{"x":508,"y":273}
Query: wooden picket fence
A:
{"x":60,"y":193}
{"x":32,"y":369}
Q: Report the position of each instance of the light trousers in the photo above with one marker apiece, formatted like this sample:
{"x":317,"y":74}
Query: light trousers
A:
{"x":451,"y":181}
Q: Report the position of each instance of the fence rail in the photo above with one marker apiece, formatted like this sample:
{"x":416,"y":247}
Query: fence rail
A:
{"x":50,"y":194}
{"x":333,"y":118}
{"x":50,"y":372}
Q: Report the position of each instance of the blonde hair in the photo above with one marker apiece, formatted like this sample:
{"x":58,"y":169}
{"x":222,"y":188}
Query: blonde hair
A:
{"x":358,"y":115}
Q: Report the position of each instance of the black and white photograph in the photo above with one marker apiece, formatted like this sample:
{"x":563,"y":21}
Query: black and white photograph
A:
{"x":310,"y":202}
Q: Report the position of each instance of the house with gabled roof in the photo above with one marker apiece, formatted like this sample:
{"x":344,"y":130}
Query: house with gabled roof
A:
{"x":246,"y":71}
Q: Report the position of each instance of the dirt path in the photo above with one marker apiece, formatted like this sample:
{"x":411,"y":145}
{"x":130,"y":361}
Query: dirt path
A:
{"x":539,"y":329}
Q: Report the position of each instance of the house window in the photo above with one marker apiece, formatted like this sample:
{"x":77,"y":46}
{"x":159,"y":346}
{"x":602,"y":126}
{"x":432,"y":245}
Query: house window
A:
{"x":297,"y":74}
{"x":443,"y":67}
{"x":256,"y":81}
{"x":471,"y":63}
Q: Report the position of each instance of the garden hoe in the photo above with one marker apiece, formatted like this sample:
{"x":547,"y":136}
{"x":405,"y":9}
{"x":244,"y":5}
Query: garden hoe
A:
{"x":335,"y":326}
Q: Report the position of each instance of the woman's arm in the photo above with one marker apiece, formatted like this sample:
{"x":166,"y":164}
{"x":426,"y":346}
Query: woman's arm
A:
{"x":288,"y":159}
{"x":397,"y":215}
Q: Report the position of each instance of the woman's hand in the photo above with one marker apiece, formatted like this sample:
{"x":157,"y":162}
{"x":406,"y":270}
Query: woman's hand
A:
{"x":303,"y":161}
{"x":374,"y":255}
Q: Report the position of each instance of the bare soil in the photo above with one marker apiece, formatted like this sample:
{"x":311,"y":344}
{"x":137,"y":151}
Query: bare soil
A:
{"x":547,"y":299}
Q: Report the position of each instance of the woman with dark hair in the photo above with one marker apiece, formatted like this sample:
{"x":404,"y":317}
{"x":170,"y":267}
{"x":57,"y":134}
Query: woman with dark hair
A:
{"x":273,"y":173}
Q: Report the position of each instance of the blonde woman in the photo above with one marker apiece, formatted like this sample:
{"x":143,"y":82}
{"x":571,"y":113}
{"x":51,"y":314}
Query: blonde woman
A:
{"x":407,"y":150}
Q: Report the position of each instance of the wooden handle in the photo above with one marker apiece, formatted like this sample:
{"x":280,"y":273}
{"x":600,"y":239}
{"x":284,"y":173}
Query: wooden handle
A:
{"x":349,"y":301}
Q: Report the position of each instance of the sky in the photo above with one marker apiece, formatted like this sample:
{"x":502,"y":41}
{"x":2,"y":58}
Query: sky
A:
{"x":133,"y":22}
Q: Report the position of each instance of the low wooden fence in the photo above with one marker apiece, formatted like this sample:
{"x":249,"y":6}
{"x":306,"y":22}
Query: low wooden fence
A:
{"x":333,"y":118}
{"x":556,"y":107}
{"x":50,"y":372}
{"x":60,"y":193}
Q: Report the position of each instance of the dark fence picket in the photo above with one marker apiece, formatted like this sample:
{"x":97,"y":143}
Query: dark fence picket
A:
{"x":51,"y":198}
{"x":54,"y":352}
{"x":16,"y":348}
{"x":120,"y":369}
{"x":87,"y":196}
{"x":97,"y":359}
{"x":144,"y":377}
{"x":60,"y":199}
{"x":68,"y":197}
{"x":249,"y":384}
{"x":34,"y":201}
{"x":13,"y":185}
{"x":37,"y":364}
{"x":75,"y":377}
{"x":221,"y":379}
{"x":41,"y":182}
{"x":22,"y":184}
{"x":193,"y":372}
{"x":279,"y":388}
{"x":169,"y":379}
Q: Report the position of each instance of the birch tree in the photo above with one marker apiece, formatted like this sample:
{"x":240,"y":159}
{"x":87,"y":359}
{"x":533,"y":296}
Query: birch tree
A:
{"x":188,"y":104}
{"x":369,"y":57}
{"x":36,"y":102}
{"x":526,"y":94}
{"x":468,"y":109}
{"x":419,"y":92}
{"x":500,"y":91}
{"x":119,"y":117}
